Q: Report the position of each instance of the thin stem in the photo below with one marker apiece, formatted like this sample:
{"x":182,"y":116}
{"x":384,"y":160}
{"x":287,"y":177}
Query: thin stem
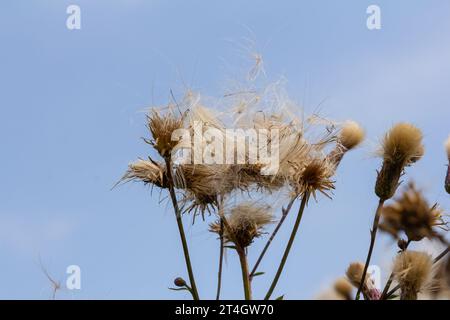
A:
{"x":242,"y":258}
{"x":219,"y":274}
{"x":391,"y":277}
{"x":441,"y":255}
{"x":245,"y":276}
{"x":288,"y":247}
{"x":436,"y":260}
{"x":181,"y":230}
{"x":373,"y":234}
{"x":272,"y":236}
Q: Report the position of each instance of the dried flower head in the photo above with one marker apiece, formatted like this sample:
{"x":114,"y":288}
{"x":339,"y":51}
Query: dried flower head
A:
{"x":203,"y":183}
{"x":312,"y":177}
{"x":354,"y":275}
{"x":149,"y":172}
{"x":161,"y":128}
{"x":412,"y":270}
{"x":412,"y":215}
{"x":401,"y":146}
{"x":343,"y":288}
{"x":351,"y":135}
{"x":245,"y":223}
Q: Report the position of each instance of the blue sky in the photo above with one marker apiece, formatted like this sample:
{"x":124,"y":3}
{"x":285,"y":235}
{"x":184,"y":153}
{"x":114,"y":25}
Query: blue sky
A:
{"x":71,"y":120}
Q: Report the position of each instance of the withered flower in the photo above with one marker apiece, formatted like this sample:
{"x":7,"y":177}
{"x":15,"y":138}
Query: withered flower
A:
{"x":161,"y":127}
{"x":147,"y":171}
{"x":412,"y":270}
{"x":203,"y":184}
{"x":401,"y":146}
{"x":245,"y":223}
{"x":314,"y":176}
{"x":343,"y":288}
{"x":411,"y":214}
{"x":354,"y":274}
{"x":351,"y":135}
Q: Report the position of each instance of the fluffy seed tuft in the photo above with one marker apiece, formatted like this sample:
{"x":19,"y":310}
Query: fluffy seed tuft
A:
{"x":314,"y":176}
{"x":245,"y":222}
{"x":403,"y":144}
{"x":401,"y":147}
{"x":149,"y":172}
{"x":411,"y":214}
{"x":351,"y":135}
{"x":343,"y":288}
{"x":161,"y":128}
{"x":412,"y":270}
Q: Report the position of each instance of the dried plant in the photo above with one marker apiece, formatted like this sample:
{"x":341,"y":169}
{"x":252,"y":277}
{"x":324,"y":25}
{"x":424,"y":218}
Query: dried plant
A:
{"x":354,"y":274}
{"x":343,"y":288}
{"x":401,"y":146}
{"x":350,"y":136}
{"x":245,"y":223}
{"x":412,"y":270}
{"x":411,"y":214}
{"x":306,"y":167}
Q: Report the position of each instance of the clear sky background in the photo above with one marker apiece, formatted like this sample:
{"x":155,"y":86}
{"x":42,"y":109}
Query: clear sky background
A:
{"x":71,"y":119}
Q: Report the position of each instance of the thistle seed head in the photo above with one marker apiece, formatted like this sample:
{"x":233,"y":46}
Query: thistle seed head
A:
{"x":401,"y":146}
{"x":412,"y":270}
{"x":161,"y":128}
{"x":411,"y":214}
{"x":149,"y":172}
{"x":351,"y":135}
{"x":246,"y":222}
{"x":312,"y":177}
{"x":354,"y":273}
{"x":344,"y":288}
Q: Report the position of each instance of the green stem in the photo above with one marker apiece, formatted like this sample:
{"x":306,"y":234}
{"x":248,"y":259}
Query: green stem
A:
{"x":288,"y":247}
{"x":245,"y":275}
{"x":373,"y":234}
{"x":181,"y":230}
{"x":272,"y":236}
{"x":219,"y":274}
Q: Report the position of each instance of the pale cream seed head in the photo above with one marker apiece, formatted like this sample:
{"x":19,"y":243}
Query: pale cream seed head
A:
{"x":351,"y":135}
{"x":403,"y":144}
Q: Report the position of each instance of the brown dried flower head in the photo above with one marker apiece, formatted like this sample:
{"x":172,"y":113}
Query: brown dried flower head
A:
{"x":412,"y":270}
{"x":354,"y":275}
{"x":149,"y":172}
{"x":344,"y":288}
{"x":351,"y":135}
{"x":412,"y":215}
{"x":161,"y":128}
{"x":401,"y":146}
{"x":245,"y":223}
{"x":314,"y":176}
{"x":203,"y":183}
